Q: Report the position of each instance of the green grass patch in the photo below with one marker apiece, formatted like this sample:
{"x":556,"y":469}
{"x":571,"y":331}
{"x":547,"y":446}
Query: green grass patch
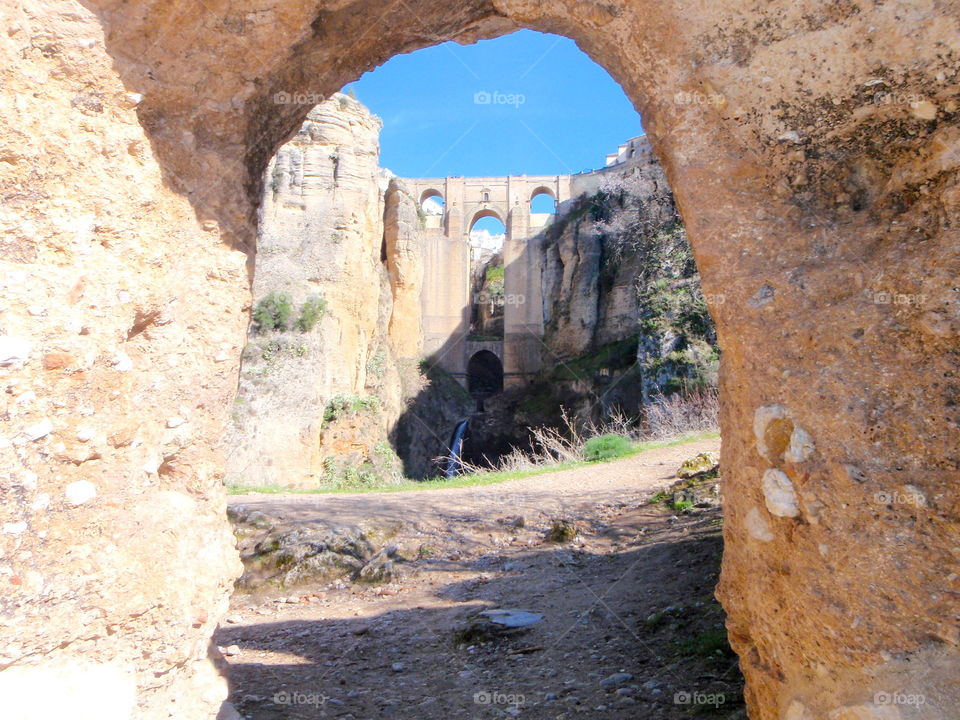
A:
{"x":607,"y":447}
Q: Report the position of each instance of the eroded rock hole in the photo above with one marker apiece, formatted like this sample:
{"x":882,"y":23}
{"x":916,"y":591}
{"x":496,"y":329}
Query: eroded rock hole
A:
{"x":447,"y":327}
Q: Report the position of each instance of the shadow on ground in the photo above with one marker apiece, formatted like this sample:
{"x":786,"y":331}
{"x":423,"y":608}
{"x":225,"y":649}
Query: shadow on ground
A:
{"x":630,"y":630}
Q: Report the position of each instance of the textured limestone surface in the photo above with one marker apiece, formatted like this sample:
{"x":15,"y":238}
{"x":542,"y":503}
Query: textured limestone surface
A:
{"x":322,"y":231}
{"x":813,"y":149}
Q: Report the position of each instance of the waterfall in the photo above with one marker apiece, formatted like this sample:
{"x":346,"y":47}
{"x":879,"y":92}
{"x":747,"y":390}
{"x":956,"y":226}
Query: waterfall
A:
{"x":456,"y":447}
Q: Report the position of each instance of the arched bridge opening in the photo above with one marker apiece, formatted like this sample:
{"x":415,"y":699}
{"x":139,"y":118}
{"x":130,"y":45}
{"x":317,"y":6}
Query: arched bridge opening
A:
{"x":484,"y":375}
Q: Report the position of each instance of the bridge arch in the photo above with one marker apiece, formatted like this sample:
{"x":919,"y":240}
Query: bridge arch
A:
{"x":543,"y":200}
{"x":485,"y":213}
{"x":543,"y":190}
{"x":484,"y":374}
{"x":431,"y":193}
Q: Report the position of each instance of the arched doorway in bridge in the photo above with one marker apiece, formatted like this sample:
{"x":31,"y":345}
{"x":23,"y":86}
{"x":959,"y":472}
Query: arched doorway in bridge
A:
{"x":484,"y":375}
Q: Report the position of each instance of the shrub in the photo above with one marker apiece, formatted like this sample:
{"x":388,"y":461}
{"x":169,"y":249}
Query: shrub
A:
{"x":273,"y":312}
{"x":606,"y":447}
{"x":344,"y":405}
{"x":311,"y":312}
{"x":377,"y":364}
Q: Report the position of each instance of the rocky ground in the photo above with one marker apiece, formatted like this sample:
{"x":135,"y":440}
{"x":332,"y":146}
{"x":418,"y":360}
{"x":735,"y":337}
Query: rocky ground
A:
{"x":622,"y":578}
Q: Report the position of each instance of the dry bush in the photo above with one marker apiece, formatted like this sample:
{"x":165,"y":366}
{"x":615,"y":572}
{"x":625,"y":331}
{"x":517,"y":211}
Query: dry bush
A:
{"x":667,"y":417}
{"x":682,"y":414}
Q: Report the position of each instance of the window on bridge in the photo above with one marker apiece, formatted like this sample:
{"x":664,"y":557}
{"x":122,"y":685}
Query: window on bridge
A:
{"x":484,"y":375}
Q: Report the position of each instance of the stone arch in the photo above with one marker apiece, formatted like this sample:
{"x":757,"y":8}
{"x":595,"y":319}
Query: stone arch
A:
{"x":484,"y":374}
{"x":491,"y":212}
{"x":759,"y":142}
{"x":539,"y":192}
{"x":543,"y":190}
{"x":431,"y":193}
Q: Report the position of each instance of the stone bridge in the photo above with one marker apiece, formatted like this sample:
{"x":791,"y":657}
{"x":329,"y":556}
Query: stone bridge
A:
{"x":447,"y":288}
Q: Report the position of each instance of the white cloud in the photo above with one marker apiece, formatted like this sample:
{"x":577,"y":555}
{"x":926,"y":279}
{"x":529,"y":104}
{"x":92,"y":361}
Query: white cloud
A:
{"x":432,"y":206}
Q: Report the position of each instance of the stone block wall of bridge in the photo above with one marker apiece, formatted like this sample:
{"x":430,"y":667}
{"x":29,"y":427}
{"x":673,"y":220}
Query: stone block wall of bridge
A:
{"x":446,"y":298}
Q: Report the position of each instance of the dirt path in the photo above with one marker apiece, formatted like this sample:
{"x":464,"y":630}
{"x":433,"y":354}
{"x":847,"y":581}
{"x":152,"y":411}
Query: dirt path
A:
{"x":630,"y":628}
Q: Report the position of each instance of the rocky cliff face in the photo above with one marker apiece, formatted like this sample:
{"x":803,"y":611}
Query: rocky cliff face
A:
{"x":625,"y":320}
{"x":316,"y":405}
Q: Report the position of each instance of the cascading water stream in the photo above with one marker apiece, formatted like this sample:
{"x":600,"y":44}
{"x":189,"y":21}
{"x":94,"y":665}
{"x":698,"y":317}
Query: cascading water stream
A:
{"x":456,"y":448}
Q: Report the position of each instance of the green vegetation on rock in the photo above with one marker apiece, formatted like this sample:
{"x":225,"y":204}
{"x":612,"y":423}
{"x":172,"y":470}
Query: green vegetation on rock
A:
{"x":311,"y":312}
{"x":347,"y":405}
{"x":273,"y":312}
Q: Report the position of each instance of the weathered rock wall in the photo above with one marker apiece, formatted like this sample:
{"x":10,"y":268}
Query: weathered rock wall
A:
{"x":813,"y":150}
{"x":333,"y":229}
{"x":625,"y":320}
{"x":590,"y":260}
{"x":122,"y":312}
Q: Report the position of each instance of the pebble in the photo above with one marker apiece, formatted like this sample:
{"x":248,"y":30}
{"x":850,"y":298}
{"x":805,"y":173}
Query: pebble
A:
{"x":173,"y":422}
{"x":85,"y":434}
{"x":79,"y":492}
{"x":38,"y":430}
{"x":231,"y":650}
{"x":608,"y":683}
{"x":122,"y":362}
{"x":397,"y":667}
{"x":550,"y":696}
{"x":13,"y":350}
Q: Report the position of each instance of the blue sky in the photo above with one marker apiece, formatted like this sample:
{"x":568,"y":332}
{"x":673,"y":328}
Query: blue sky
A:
{"x":549,"y":109}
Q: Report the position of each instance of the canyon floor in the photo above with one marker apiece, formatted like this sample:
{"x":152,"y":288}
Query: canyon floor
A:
{"x":630,"y":627}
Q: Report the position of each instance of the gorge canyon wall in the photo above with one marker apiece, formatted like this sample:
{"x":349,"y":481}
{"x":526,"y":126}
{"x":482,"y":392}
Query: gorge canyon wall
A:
{"x":318,"y":402}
